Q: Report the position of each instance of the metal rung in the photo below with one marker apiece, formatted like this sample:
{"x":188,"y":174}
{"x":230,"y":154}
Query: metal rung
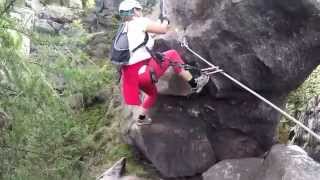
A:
{"x":213,"y":72}
{"x":210,"y":68}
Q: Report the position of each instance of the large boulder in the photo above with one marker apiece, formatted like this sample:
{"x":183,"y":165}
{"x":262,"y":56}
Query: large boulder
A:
{"x":58,"y":14}
{"x":288,"y":163}
{"x":269,"y":45}
{"x":110,"y":5}
{"x":26,"y":18}
{"x":47,"y":26}
{"x":35,"y":5}
{"x":310,"y":118}
{"x":101,"y":20}
{"x":99,"y":45}
{"x":281,"y":163}
{"x":75,"y":4}
{"x":115,"y":172}
{"x":234,"y":169}
{"x":55,"y":19}
{"x":176,"y":148}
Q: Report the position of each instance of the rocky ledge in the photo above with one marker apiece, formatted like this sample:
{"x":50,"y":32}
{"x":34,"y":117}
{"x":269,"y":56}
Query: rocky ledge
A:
{"x":269,"y":45}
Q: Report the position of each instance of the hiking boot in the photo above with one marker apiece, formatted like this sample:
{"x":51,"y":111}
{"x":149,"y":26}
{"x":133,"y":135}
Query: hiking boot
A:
{"x":201,"y":82}
{"x":144,"y":121}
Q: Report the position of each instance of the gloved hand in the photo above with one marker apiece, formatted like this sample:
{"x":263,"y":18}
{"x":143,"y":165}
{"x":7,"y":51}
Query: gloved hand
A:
{"x":164,"y":18}
{"x":159,"y":56}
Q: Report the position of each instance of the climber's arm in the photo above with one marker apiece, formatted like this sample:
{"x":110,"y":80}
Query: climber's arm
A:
{"x":157,"y":27}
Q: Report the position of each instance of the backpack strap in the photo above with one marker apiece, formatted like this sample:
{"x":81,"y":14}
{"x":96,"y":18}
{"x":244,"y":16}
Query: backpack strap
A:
{"x":145,"y":41}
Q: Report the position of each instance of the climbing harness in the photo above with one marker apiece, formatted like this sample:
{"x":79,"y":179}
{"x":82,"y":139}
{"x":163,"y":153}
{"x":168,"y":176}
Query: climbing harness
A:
{"x":215,"y":69}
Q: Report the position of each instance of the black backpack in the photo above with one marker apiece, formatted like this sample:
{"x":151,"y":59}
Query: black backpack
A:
{"x":120,"y":53}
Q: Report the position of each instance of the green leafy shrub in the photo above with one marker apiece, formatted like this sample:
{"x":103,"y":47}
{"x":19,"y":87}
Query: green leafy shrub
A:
{"x":297,"y":101}
{"x":46,"y":139}
{"x":40,"y":122}
{"x":88,"y":3}
{"x":299,"y":98}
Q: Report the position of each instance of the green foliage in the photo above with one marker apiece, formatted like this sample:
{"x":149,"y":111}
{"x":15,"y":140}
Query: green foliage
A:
{"x":104,"y":141}
{"x":40,"y":122}
{"x":66,"y":59}
{"x":88,"y":3}
{"x":46,"y":139}
{"x":9,"y":38}
{"x":299,"y":98}
{"x":297,"y":101}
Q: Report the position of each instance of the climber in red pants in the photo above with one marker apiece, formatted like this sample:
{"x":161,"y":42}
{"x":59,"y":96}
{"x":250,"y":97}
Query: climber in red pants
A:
{"x":143,"y":68}
{"x":147,"y":84}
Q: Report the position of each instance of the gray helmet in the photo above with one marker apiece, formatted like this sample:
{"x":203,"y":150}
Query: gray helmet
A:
{"x":126,"y":6}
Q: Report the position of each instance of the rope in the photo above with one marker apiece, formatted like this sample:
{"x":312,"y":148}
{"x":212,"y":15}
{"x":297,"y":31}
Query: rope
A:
{"x":184,"y":44}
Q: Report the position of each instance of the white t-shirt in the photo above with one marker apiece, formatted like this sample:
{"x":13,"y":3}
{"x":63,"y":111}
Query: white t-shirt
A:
{"x":136,"y":34}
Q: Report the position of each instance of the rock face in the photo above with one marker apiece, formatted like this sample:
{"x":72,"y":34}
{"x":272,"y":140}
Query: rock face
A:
{"x":99,"y":45}
{"x":269,"y":45}
{"x":179,"y":147}
{"x":288,"y":163}
{"x":282,"y":163}
{"x":101,"y":20}
{"x":265,"y":44}
{"x":115,"y":172}
{"x":310,"y":118}
{"x":26,"y":17}
{"x":50,"y":19}
{"x":234,"y":169}
{"x":110,"y":5}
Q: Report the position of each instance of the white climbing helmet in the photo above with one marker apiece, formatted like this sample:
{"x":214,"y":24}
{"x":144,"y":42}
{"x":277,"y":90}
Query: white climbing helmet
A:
{"x":128,"y":5}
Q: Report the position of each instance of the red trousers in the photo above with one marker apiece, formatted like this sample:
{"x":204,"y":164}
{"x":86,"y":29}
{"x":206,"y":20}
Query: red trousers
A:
{"x":133,"y":82}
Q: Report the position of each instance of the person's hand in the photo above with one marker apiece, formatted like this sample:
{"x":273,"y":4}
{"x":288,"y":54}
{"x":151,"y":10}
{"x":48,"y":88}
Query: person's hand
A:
{"x":159,"y":56}
{"x":164,"y":19}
